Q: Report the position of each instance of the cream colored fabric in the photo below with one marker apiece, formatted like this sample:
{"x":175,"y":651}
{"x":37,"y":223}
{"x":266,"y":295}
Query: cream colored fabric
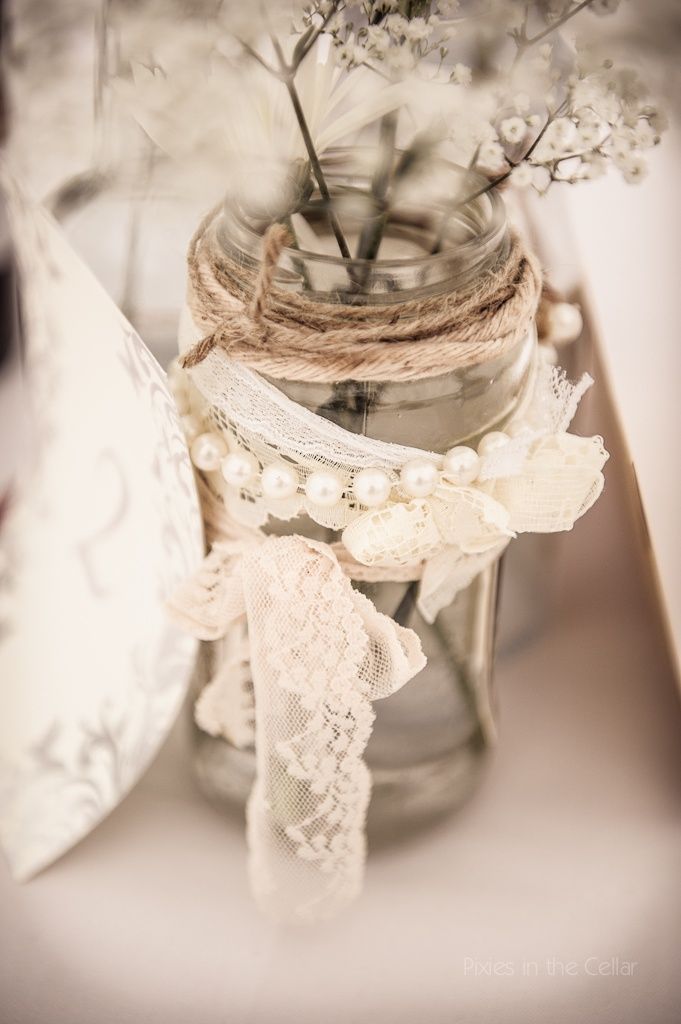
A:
{"x":320,"y":653}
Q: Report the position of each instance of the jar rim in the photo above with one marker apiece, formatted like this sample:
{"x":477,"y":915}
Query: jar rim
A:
{"x":489,"y":206}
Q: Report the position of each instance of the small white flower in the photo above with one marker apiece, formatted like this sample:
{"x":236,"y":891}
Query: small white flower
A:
{"x":397,"y":26}
{"x":563,"y":133}
{"x":594,"y":165}
{"x":447,"y":8}
{"x":461,"y":74}
{"x":417,"y":29}
{"x":491,"y":156}
{"x":622,"y":142}
{"x":345,"y":54}
{"x":634,"y":168}
{"x":522,"y":175}
{"x":589,"y":128}
{"x":513,"y":129}
{"x":377,"y":40}
{"x":546,"y":150}
{"x":645,"y":135}
{"x":336,"y":23}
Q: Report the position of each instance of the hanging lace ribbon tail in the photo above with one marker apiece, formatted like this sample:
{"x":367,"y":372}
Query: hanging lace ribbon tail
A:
{"x":320,"y":653}
{"x":206,"y":603}
{"x":225,"y":705}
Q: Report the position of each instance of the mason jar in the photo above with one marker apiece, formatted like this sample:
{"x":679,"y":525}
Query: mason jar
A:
{"x":431,"y":739}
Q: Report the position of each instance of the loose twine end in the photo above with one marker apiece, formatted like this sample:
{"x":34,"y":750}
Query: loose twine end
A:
{"x":275,"y":240}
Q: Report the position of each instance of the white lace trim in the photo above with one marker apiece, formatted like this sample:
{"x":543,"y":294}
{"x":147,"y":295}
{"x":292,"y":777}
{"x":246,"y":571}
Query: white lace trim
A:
{"x":320,"y":653}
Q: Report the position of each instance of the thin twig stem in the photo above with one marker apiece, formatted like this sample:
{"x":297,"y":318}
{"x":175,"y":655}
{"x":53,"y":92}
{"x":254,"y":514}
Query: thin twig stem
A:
{"x":288,"y":78}
{"x":372,"y":232}
{"x":317,"y":168}
{"x":494,"y":182}
{"x":308,"y":40}
{"x":525,"y":43}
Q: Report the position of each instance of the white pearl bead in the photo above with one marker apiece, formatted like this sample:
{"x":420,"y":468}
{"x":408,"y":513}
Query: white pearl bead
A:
{"x":461,"y":464}
{"x":239,"y":468}
{"x":324,"y":488}
{"x":564,"y":323}
{"x":419,"y":478}
{"x":279,"y":480}
{"x":492,"y":442}
{"x":371,"y":487}
{"x":192,"y":426}
{"x":207,"y":450}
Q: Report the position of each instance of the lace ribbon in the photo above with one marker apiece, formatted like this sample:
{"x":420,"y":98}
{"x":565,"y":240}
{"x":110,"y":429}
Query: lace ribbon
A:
{"x":320,"y":654}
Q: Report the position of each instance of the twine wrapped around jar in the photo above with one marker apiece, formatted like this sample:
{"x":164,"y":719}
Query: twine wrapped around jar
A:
{"x":287,"y":335}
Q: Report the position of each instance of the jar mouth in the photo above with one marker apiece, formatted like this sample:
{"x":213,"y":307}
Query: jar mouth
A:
{"x":471,"y":232}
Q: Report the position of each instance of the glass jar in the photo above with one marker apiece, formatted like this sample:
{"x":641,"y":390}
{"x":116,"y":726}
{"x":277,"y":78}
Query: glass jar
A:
{"x":432,"y":738}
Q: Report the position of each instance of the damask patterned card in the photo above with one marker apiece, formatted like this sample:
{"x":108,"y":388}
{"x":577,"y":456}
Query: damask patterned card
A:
{"x":104,"y":526}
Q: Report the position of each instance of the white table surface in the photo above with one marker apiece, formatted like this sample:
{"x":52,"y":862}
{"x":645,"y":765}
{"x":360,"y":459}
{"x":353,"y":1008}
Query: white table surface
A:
{"x":570,"y":853}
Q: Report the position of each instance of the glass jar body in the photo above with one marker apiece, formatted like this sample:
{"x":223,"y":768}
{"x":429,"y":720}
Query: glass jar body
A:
{"x":431,"y":739}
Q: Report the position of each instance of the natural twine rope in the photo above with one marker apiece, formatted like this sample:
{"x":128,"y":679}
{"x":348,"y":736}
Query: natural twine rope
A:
{"x":287,"y":335}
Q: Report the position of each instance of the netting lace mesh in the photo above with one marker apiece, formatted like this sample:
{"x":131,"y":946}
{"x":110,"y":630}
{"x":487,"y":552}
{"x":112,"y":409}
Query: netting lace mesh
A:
{"x":320,"y":655}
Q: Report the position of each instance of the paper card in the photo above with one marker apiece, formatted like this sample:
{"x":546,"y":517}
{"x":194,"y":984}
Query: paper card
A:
{"x":105,"y":524}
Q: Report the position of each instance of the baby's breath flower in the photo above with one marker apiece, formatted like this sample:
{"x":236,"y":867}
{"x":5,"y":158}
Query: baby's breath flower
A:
{"x":522,"y":175}
{"x":593,"y":165}
{"x":491,"y":156}
{"x":621,"y":144}
{"x":563,"y":132}
{"x":645,"y":135}
{"x":633,"y":168}
{"x":513,"y":129}
{"x":589,"y":128}
{"x":397,"y":25}
{"x":377,"y":40}
{"x":461,"y":75}
{"x":417,"y":29}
